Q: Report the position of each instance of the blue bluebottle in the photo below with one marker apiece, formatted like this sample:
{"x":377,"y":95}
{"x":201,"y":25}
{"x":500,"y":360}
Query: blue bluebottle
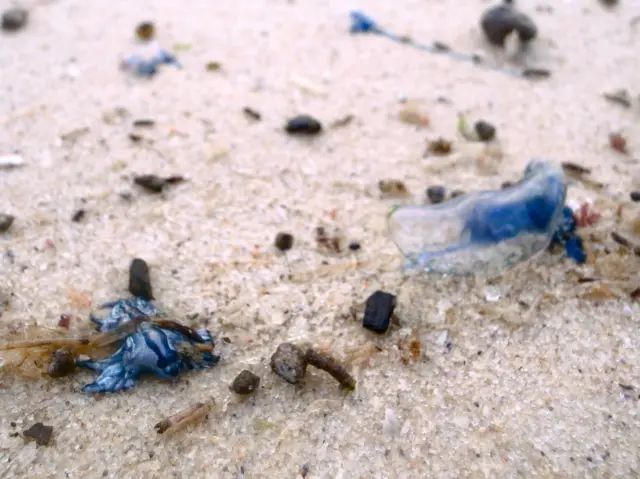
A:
{"x":484,"y":232}
{"x":149,"y":67}
{"x":165,"y":352}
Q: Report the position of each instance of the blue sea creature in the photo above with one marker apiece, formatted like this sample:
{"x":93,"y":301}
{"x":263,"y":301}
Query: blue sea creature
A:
{"x":483,"y":232}
{"x":165,"y":349}
{"x":123,"y":310}
{"x":149,"y":67}
{"x":565,"y":235}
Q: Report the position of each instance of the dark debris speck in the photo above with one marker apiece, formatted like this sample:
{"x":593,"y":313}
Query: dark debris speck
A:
{"x":245,"y":383}
{"x":378,"y":311}
{"x":39,"y":433}
{"x":284,"y":241}
{"x":139,"y":280}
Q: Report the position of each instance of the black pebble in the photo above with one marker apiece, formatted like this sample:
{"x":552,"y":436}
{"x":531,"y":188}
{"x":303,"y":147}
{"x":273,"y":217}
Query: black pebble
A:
{"x":436,"y":194}
{"x":5,"y":222}
{"x":62,"y":363}
{"x":14,"y":19}
{"x":485,"y":130}
{"x":456,"y":193}
{"x":506,"y":184}
{"x":635,"y":195}
{"x":284,"y":241}
{"x":151,"y":183}
{"x":499,"y":21}
{"x":40,"y":433}
{"x":139,"y":281}
{"x":354,"y":246}
{"x":289,"y":362}
{"x":245,"y":383}
{"x":78,"y":216}
{"x":378,"y":312}
{"x":303,"y":125}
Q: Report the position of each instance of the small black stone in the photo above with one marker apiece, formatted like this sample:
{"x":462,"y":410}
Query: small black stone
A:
{"x":14,"y":19}
{"x":139,"y":281}
{"x":499,"y":21}
{"x":245,"y":383}
{"x":284,"y":241}
{"x":78,"y":216}
{"x":151,"y":183}
{"x":303,"y":125}
{"x":40,"y":433}
{"x":485,"y":130}
{"x":506,"y":184}
{"x":635,"y":196}
{"x":354,"y":246}
{"x":456,"y":193}
{"x":289,"y":362}
{"x":378,"y":312}
{"x":436,"y":193}
{"x":5,"y":222}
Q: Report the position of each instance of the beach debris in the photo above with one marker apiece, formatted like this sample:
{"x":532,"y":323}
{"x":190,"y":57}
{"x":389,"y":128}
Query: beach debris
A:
{"x":378,"y":312}
{"x":245,"y":383}
{"x":436,"y":194}
{"x":609,"y":3}
{"x":533,"y":73}
{"x":618,"y":142}
{"x":289,"y":363}
{"x":574,"y":169}
{"x":63,"y":363}
{"x":391,"y":188}
{"x":506,"y":184}
{"x":144,"y":123}
{"x":303,"y":125}
{"x":586,"y":216}
{"x":78,"y":215}
{"x":213,"y":66}
{"x":11,"y":161}
{"x":620,"y":97}
{"x":13,"y":19}
{"x":626,"y":243}
{"x":330,"y":241}
{"x":303,"y":471}
{"x":252,"y":114}
{"x":6,"y":221}
{"x":486,"y":231}
{"x":139,"y":282}
{"x":145,"y":31}
{"x":499,"y":21}
{"x":457,"y":193}
{"x":39,"y":433}
{"x":412,"y":114}
{"x":192,"y":414}
{"x":64,"y":321}
{"x":362,"y":23}
{"x":147,"y":67}
{"x":342,"y":122}
{"x":283,"y":241}
{"x":439,"y":147}
{"x":635,"y":196}
{"x":156,"y":184}
{"x":485,"y":130}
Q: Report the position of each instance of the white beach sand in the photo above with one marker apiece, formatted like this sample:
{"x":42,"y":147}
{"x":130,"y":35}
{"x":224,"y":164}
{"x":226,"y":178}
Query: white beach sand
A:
{"x":486,"y":397}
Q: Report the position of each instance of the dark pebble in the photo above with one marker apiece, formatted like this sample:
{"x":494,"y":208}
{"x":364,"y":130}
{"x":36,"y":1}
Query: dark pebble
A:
{"x":62,"y":363}
{"x":284,"y":241}
{"x":151,"y":183}
{"x":485,"y":130}
{"x":5,"y":222}
{"x":144,"y":123}
{"x":251,"y":113}
{"x":378,"y":312}
{"x":14,"y":19}
{"x":245,"y":383}
{"x":139,"y":281}
{"x":456,"y":193}
{"x":289,"y":363}
{"x":499,"y":21}
{"x":506,"y":184}
{"x":436,"y":194}
{"x":635,"y":195}
{"x":40,"y":433}
{"x":303,"y":125}
{"x":78,"y":216}
{"x":354,"y":246}
{"x":145,"y":31}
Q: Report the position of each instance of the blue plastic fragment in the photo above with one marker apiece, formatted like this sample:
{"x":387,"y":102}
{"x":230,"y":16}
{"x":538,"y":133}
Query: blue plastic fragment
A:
{"x":483,"y":232}
{"x":150,"y":349}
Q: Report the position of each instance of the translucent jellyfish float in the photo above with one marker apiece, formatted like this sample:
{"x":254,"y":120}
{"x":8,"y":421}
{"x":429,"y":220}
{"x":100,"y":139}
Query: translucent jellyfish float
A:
{"x":485,"y":232}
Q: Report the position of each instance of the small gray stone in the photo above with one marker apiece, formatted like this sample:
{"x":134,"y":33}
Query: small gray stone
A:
{"x":436,"y":194}
{"x":485,"y":130}
{"x":289,"y":363}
